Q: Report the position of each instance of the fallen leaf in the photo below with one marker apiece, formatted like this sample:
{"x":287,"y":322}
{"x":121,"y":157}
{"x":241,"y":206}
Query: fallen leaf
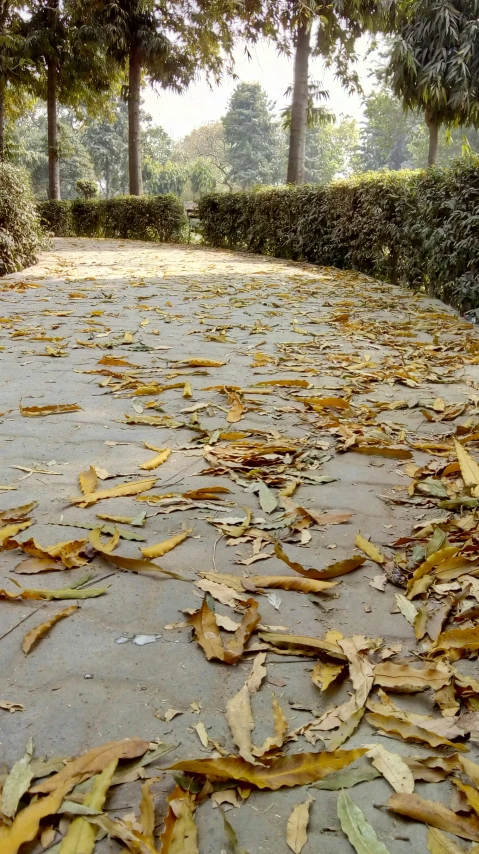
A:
{"x":267,"y":498}
{"x":294,"y":770}
{"x":407,"y":679}
{"x":239,"y":717}
{"x":180,"y":835}
{"x":347,"y":778}
{"x":27,"y":822}
{"x":458,"y":641}
{"x":437,"y":843}
{"x":11,"y":707}
{"x":469,"y":467}
{"x":435,"y":815}
{"x":147,"y":812}
{"x":9,"y":531}
{"x":346,"y":729}
{"x":323,"y":674}
{"x":14,"y":514}
{"x":88,"y":481}
{"x":333,"y":571}
{"x":17,"y":782}
{"x":202,"y":734}
{"x":295,"y":642}
{"x":369,"y":549}
{"x":361,"y":835}
{"x":393,"y":769}
{"x":187,"y":390}
{"x":408,"y":610}
{"x":258,"y":673}
{"x":91,"y":763}
{"x":208,"y":636}
{"x":166,"y":546}
{"x":131,"y":564}
{"x":58,"y":409}
{"x":236,"y":410}
{"x":34,"y":635}
{"x":133,"y":488}
{"x":157,"y":461}
{"x":409,"y":731}
{"x":201,"y":363}
{"x":81,"y":835}
{"x":297,"y":827}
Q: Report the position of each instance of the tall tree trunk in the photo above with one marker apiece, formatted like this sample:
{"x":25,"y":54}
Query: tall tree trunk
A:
{"x":299,"y":112}
{"x":433,"y":139}
{"x":2,"y":120}
{"x":53,"y":154}
{"x":134,"y":132}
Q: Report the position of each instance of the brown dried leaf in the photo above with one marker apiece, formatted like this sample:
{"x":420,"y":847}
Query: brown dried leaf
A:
{"x":300,"y":642}
{"x":208,"y":636}
{"x":297,"y":827}
{"x":36,"y":634}
{"x":91,"y":763}
{"x":435,"y":815}
{"x":333,"y":571}
{"x":406,"y":679}
{"x":295,"y":770}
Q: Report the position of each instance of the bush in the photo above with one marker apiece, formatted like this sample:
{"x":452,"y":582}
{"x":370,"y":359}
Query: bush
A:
{"x":20,"y":231}
{"x":156,"y":218}
{"x":56,"y":217}
{"x":414,"y":228}
{"x":86,"y":189}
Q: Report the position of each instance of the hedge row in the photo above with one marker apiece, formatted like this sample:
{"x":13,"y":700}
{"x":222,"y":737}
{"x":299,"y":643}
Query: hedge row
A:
{"x":157,"y":218}
{"x":419,"y":229}
{"x":20,"y":232}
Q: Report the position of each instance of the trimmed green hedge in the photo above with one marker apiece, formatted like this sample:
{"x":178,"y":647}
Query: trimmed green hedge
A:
{"x":419,"y":229}
{"x":158,"y":218}
{"x":20,"y":231}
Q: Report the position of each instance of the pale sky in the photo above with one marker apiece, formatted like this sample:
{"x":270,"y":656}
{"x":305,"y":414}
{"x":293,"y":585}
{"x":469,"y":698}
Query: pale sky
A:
{"x":180,"y":114}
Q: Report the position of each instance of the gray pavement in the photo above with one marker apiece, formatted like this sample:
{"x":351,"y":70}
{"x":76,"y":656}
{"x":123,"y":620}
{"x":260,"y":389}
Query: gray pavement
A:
{"x":79,"y":686}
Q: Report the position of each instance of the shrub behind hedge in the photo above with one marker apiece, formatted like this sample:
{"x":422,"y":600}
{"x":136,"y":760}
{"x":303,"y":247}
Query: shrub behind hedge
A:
{"x":20,"y":231}
{"x":419,"y":229}
{"x":157,"y":218}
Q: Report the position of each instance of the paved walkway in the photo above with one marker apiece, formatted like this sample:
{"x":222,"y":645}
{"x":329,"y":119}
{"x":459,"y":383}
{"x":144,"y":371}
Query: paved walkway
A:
{"x":115,"y":327}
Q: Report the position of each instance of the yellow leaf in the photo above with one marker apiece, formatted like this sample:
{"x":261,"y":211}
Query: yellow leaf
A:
{"x":187,"y":390}
{"x":469,"y":467}
{"x":470,"y":792}
{"x":324,"y":674}
{"x":80,"y":837}
{"x":201,"y":363}
{"x":59,"y":409}
{"x":240,"y":720}
{"x":27,"y":822}
{"x":131,"y":564}
{"x":297,"y":827}
{"x":12,"y":530}
{"x":237,"y":409}
{"x":437,"y":843}
{"x":369,"y":549}
{"x":300,"y":643}
{"x":208,"y":636}
{"x":88,"y":481}
{"x":34,"y":635}
{"x":147,"y":811}
{"x":166,"y":546}
{"x":393,"y":769}
{"x":133,"y":488}
{"x":156,"y":461}
{"x":407,"y":679}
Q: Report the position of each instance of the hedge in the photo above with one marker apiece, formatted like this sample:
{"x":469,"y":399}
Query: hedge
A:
{"x":157,"y":218}
{"x":418,"y":229}
{"x":20,"y":231}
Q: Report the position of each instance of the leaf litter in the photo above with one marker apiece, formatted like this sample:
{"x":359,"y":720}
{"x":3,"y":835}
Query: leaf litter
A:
{"x":331,"y":385}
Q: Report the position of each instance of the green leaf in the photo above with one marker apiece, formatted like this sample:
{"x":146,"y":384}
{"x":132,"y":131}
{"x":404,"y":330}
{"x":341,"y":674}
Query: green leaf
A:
{"x":360,"y":834}
{"x":267,"y":498}
{"x":17,"y":782}
{"x":347,"y":778}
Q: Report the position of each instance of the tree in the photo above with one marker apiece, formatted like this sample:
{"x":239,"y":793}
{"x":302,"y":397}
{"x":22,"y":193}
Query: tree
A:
{"x":385,"y":133}
{"x":330,"y":150}
{"x":106,"y":139}
{"x":166,"y":42}
{"x":69,"y":68}
{"x":434,"y":63}
{"x":202,"y":178}
{"x":328,"y":28}
{"x":13,"y":74}
{"x":249,"y":135}
{"x":208,"y":142}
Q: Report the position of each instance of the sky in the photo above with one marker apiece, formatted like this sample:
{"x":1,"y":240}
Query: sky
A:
{"x":180,"y":114}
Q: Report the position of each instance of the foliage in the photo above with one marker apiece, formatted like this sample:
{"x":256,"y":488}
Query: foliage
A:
{"x":166,"y":177}
{"x":415,"y":228}
{"x":202,"y":177}
{"x":156,"y":218}
{"x":56,"y":217}
{"x":20,"y":232}
{"x":208,"y":143}
{"x":87,"y":189}
{"x":434,"y":61}
{"x":249,"y":135}
{"x":330,"y":150}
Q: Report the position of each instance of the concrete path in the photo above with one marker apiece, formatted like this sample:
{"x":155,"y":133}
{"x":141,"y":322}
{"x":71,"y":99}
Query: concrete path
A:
{"x":341,"y":334}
